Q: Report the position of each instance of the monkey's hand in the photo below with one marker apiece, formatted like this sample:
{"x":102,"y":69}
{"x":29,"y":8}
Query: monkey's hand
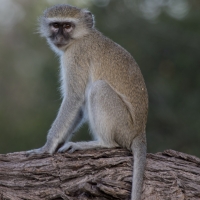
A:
{"x":42,"y":150}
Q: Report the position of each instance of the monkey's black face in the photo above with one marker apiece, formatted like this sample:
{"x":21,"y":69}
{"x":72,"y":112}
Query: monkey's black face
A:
{"x":61,"y":33}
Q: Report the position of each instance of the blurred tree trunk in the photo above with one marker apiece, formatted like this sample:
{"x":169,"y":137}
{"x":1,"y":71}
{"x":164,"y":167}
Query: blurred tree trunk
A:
{"x":97,"y":174}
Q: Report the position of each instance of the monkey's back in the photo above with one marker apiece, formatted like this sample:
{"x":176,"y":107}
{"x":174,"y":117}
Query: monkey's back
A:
{"x":112,"y":63}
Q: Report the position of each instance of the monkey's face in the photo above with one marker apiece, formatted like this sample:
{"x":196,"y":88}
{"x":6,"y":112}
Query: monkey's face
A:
{"x":61,"y":33}
{"x":63,"y":24}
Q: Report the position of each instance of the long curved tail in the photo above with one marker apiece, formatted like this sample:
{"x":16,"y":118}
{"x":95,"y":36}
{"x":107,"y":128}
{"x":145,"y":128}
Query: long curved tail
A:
{"x":139,"y":154}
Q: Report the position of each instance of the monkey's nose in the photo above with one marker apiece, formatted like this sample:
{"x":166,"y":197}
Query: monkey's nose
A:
{"x":59,"y":40}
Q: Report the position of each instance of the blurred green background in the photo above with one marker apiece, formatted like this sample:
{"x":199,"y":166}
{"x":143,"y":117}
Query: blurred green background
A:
{"x":162,"y":35}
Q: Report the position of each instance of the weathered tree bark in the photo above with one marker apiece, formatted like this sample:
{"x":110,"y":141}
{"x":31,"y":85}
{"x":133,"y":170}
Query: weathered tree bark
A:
{"x":97,"y":174}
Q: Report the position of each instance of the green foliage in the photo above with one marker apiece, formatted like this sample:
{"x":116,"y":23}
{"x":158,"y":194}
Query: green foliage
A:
{"x":165,"y":46}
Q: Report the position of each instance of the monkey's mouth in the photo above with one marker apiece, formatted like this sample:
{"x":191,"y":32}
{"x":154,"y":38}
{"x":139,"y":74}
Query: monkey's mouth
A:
{"x":59,"y":45}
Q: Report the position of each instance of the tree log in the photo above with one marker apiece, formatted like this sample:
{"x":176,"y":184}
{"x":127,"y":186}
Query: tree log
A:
{"x":97,"y":174}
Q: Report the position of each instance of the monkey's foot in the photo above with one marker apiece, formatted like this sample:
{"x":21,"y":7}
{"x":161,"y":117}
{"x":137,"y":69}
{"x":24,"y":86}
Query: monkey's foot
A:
{"x":74,"y":146}
{"x":70,"y":147}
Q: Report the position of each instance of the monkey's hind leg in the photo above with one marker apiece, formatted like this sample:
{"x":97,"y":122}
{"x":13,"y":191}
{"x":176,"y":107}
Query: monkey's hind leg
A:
{"x":109,"y":120}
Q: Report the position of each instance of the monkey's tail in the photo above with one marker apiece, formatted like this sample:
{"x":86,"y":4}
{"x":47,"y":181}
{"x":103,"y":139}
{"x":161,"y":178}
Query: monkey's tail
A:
{"x":139,"y":154}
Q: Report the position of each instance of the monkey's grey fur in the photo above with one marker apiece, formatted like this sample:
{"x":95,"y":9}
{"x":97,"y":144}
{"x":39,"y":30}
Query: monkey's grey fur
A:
{"x":101,"y":83}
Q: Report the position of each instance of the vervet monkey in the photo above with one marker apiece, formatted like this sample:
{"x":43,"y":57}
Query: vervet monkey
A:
{"x":101,"y":83}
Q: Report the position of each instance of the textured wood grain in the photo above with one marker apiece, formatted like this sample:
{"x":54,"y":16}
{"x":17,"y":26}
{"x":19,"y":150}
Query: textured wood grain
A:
{"x":97,"y":174}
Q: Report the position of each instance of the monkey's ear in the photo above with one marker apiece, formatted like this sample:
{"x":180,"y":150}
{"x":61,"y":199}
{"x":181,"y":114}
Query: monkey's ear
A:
{"x":89,"y":18}
{"x":87,"y":12}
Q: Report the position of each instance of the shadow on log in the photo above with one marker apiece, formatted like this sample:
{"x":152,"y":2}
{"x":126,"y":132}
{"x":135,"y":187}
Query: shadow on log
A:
{"x":97,"y":174}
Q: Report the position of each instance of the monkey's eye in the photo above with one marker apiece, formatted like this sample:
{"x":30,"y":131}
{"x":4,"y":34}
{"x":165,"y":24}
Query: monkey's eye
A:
{"x":67,"y":25}
{"x":55,"y":25}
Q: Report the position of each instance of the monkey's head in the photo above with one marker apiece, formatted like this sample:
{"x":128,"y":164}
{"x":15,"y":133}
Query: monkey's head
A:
{"x":63,"y":24}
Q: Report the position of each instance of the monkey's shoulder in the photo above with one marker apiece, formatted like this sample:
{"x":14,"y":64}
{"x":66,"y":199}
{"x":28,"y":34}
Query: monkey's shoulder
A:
{"x":105,"y":47}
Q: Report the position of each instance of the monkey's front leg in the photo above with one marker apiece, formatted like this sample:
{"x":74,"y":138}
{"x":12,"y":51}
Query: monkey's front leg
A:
{"x":67,"y":120}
